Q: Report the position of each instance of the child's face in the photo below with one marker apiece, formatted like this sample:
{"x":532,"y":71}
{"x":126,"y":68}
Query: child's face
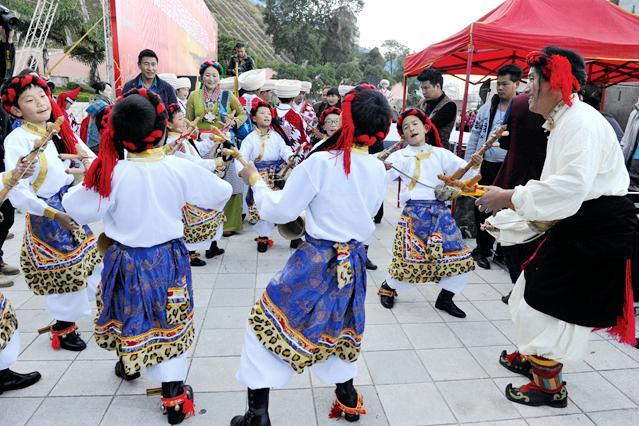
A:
{"x":414,"y":131}
{"x":331,"y":124}
{"x":33,"y":105}
{"x":263,"y":117}
{"x":265,"y":95}
{"x":177,"y":123}
{"x":332,"y":100}
{"x":182,"y":93}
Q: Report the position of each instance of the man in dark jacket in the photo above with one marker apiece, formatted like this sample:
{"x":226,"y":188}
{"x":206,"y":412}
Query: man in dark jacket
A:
{"x":148,"y":64}
{"x":243,"y":61}
{"x":441,"y":110}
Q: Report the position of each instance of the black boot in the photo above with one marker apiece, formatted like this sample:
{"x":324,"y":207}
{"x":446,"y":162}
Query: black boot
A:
{"x":119,"y":371}
{"x":257,"y":414}
{"x":347,"y":401}
{"x":213,"y":251}
{"x":369,"y":265}
{"x":262,"y":244}
{"x":506,"y":298}
{"x":66,"y":336}
{"x":445,"y":303}
{"x":295,"y":243}
{"x":10,"y":380}
{"x":480,"y":259}
{"x":195,"y":259}
{"x":177,"y":400}
{"x":387,"y":296}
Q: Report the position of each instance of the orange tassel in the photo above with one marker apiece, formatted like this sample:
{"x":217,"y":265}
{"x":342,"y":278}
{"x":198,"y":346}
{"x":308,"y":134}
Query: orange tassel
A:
{"x":55,"y":342}
{"x":624,"y":330}
{"x":336,"y":411}
{"x":188,"y":407}
{"x":270,"y":243}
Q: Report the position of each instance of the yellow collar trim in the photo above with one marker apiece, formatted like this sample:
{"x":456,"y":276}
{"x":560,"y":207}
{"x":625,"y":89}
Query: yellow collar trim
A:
{"x":360,"y":149}
{"x":32,"y":128}
{"x":172,"y":134}
{"x":154,"y":154}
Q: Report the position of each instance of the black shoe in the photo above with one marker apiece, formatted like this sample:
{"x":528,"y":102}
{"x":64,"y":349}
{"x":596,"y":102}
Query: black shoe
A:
{"x":377,"y":220}
{"x":499,"y":260}
{"x":534,"y":396}
{"x":262,"y":244}
{"x":482,"y":262}
{"x":10,"y":380}
{"x":176,"y":413}
{"x":119,"y":371}
{"x":506,"y":298}
{"x":196,"y":261}
{"x":70,"y":341}
{"x":445,"y":303}
{"x":257,"y":414}
{"x":369,"y":265}
{"x":213,"y":251}
{"x":228,"y":233}
{"x":387,"y":296}
{"x":348,"y":402}
{"x":295,"y":243}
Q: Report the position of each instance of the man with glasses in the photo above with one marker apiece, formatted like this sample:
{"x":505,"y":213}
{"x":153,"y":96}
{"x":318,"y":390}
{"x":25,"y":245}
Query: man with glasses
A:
{"x":489,"y":118}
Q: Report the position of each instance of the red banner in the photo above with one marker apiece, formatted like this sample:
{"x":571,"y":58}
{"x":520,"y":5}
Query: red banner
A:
{"x":183,"y":33}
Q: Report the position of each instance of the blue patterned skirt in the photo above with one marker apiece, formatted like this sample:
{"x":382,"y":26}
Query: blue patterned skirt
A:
{"x":428,"y":244}
{"x":145,"y":304}
{"x":8,"y":321}
{"x":268,"y":170}
{"x":54,"y":260}
{"x":314,"y":307}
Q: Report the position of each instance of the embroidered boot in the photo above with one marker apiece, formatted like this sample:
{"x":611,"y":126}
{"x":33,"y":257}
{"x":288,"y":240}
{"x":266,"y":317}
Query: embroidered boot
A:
{"x":263,"y":244}
{"x":213,"y":251}
{"x":387,"y":295}
{"x":10,"y":380}
{"x":347,"y":401}
{"x":517,"y":363}
{"x":546,"y":388}
{"x":257,"y":414}
{"x":177,"y":401}
{"x":445,"y":303}
{"x":369,"y":265}
{"x":121,"y":373}
{"x":65,"y":336}
{"x":295,"y":243}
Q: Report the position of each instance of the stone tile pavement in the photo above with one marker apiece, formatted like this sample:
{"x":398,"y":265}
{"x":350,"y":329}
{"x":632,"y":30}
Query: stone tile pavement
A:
{"x":419,"y":366}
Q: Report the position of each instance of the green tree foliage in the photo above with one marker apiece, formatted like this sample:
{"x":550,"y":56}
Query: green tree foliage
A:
{"x":395,"y":53}
{"x":371,"y":65}
{"x":91,"y":50}
{"x":313,"y":31}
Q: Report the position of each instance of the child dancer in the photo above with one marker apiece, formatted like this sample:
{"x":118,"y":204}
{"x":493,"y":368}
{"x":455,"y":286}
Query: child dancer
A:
{"x":202,"y":227}
{"x":265,"y":146}
{"x":428,"y":245}
{"x":57,"y":255}
{"x":9,"y":337}
{"x":145,"y":301}
{"x":312,"y":313}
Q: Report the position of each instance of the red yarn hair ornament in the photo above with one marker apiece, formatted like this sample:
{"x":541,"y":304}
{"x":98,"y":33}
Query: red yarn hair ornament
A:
{"x":430,"y":127}
{"x":558,"y":71}
{"x":328,"y":111}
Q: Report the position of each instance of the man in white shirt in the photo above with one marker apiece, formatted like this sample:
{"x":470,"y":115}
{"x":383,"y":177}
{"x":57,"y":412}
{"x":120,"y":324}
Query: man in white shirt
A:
{"x":579,"y":279}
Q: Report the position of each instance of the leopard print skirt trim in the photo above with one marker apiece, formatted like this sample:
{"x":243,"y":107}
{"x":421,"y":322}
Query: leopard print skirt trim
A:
{"x":347,"y":346}
{"x":8,"y":321}
{"x":200,"y":224}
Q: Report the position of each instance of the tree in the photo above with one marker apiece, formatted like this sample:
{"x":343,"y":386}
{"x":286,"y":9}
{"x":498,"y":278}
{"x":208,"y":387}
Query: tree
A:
{"x":394,"y":53}
{"x":91,"y":50}
{"x":372,"y":66}
{"x":308,"y":30}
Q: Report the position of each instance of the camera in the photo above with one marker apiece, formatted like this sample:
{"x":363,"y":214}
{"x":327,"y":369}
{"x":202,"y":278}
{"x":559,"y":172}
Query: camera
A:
{"x":7,"y":19}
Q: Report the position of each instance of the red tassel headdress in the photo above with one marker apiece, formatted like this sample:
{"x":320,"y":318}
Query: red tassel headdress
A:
{"x":100,"y":173}
{"x":11,"y":93}
{"x":557,"y":70}
{"x":348,"y":133}
{"x":328,"y":111}
{"x":430,"y":127}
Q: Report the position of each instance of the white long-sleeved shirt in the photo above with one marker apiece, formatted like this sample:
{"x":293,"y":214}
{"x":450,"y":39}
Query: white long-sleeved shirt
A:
{"x":50,"y":172}
{"x":189,"y":152}
{"x":147,"y":196}
{"x":274,"y":148}
{"x":440,"y":161}
{"x":583,"y":162}
{"x":338,"y":207}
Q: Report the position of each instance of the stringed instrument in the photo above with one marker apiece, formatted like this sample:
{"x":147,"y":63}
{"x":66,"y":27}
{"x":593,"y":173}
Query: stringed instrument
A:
{"x":38,"y":147}
{"x":188,"y":133}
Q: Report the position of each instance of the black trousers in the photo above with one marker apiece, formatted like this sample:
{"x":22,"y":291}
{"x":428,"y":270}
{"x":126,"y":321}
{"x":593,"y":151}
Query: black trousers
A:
{"x":485,"y":241}
{"x":8,"y":212}
{"x":516,"y":255}
{"x":380,"y":214}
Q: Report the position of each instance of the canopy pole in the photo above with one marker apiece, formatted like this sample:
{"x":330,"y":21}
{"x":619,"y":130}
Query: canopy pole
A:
{"x":469,"y":63}
{"x":603,"y":98}
{"x":117,"y":71}
{"x":404,"y":99}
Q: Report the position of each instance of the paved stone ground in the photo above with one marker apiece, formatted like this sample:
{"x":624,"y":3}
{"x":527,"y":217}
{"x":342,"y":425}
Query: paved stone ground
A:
{"x":419,"y":366}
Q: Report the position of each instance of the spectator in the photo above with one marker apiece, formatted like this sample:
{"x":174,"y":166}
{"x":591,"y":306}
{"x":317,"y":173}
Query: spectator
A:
{"x":182,"y":91}
{"x":489,"y":119}
{"x":103,"y":94}
{"x":148,"y":78}
{"x":630,"y":146}
{"x":592,"y":96}
{"x":441,"y":110}
{"x":243,"y":61}
{"x":383,"y":89}
{"x":321,"y":104}
{"x":333,"y":99}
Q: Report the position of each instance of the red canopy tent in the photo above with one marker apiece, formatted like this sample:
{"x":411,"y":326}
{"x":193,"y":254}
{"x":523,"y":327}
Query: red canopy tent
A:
{"x":606,"y":35}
